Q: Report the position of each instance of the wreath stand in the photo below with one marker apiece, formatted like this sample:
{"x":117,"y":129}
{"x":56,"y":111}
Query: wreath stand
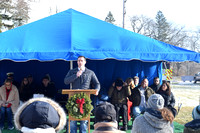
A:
{"x":71,"y":93}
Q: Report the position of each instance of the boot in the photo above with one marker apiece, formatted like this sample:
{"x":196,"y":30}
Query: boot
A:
{"x":125,"y":128}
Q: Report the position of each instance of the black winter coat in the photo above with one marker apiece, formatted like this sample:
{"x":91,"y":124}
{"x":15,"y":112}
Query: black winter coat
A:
{"x":192,"y":127}
{"x":135,"y":97}
{"x":169,"y":99}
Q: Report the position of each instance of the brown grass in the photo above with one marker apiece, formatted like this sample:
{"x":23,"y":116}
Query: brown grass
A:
{"x":184,"y":115}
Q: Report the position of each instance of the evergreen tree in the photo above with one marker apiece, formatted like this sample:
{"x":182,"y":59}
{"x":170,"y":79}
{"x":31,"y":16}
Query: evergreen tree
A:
{"x":162,"y":28}
{"x":6,"y":9}
{"x":110,"y":18}
{"x":13,"y":13}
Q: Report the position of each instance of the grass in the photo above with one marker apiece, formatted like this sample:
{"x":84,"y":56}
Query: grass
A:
{"x":184,"y":115}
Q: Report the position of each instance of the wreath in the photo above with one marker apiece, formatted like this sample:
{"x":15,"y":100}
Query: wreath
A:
{"x":79,"y":105}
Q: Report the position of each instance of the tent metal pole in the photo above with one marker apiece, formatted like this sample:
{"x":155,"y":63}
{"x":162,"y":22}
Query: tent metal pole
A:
{"x":71,"y":67}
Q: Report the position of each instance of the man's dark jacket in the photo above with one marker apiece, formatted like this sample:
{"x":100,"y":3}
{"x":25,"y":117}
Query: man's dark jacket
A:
{"x":87,"y":78}
{"x":135,"y":97}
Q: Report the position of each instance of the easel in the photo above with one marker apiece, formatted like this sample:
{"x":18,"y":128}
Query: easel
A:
{"x":71,"y":93}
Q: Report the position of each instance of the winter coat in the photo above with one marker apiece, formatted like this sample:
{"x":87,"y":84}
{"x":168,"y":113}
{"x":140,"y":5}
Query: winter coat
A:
{"x":155,"y":87}
{"x":13,"y":97}
{"x":87,"y":78}
{"x":25,"y":93}
{"x":119,"y":96}
{"x":151,"y":122}
{"x":169,"y":99}
{"x":48,"y":91}
{"x":192,"y":127}
{"x":40,"y":115}
{"x":135,"y":97}
{"x":106,"y":127}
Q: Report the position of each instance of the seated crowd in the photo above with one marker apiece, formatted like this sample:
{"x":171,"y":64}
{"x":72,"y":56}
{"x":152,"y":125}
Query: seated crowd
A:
{"x":13,"y":94}
{"x":152,"y":106}
{"x":121,"y":92}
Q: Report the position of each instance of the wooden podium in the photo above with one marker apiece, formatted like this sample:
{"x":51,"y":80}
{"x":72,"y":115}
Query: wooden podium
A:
{"x":71,"y":93}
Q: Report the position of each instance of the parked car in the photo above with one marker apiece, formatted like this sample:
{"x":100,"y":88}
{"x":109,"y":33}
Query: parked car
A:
{"x":197,"y":77}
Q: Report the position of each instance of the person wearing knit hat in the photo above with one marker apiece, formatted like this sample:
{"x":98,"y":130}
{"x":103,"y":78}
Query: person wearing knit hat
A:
{"x":40,"y":115}
{"x":155,"y":101}
{"x":118,"y":94}
{"x":196,"y":112}
{"x":194,"y":125}
{"x":156,"y":118}
{"x":105,"y":119}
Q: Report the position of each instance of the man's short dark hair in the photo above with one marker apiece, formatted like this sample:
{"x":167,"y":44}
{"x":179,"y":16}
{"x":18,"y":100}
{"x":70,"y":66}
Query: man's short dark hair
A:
{"x":82,"y":56}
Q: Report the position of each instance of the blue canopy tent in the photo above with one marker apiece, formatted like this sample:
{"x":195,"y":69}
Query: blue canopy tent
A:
{"x":47,"y":46}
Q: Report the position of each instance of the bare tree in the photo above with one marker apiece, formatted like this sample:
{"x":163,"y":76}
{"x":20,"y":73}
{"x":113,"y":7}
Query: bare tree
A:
{"x":143,"y":25}
{"x":20,"y":15}
{"x":169,"y":33}
{"x":177,"y":37}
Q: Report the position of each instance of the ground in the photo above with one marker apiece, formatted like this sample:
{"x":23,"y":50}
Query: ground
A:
{"x":187,"y":94}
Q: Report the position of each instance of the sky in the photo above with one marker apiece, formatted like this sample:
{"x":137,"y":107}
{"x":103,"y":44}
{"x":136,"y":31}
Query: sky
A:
{"x":179,"y":12}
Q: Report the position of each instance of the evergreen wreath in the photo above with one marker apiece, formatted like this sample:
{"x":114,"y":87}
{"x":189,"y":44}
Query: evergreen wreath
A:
{"x":74,"y":107}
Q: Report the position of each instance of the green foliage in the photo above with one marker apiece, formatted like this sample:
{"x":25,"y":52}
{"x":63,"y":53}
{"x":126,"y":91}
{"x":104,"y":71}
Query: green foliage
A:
{"x":110,"y":18}
{"x":13,"y":13}
{"x":162,"y":27}
{"x":73,"y":107}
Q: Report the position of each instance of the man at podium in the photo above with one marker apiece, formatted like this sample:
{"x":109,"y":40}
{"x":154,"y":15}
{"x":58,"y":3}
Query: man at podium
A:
{"x":81,"y":78}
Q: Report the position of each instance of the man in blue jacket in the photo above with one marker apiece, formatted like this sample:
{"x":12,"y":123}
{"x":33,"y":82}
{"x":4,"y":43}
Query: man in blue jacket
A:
{"x":81,"y":78}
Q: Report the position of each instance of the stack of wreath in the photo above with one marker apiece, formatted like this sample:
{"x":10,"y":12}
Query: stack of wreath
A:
{"x":79,"y":105}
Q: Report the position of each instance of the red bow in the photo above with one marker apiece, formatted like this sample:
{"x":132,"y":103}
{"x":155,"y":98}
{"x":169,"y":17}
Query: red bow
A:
{"x":80,"y":102}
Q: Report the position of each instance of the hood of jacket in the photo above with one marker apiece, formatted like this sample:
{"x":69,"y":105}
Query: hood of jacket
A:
{"x":194,"y":124}
{"x":113,"y":125}
{"x":37,"y":130}
{"x":28,"y":114}
{"x":154,"y":118}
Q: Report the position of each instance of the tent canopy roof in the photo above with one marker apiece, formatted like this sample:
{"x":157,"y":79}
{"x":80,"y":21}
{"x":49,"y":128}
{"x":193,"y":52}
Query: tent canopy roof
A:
{"x":70,"y":33}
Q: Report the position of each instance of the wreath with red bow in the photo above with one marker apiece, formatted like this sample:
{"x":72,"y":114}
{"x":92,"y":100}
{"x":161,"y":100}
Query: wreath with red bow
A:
{"x":79,"y":105}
